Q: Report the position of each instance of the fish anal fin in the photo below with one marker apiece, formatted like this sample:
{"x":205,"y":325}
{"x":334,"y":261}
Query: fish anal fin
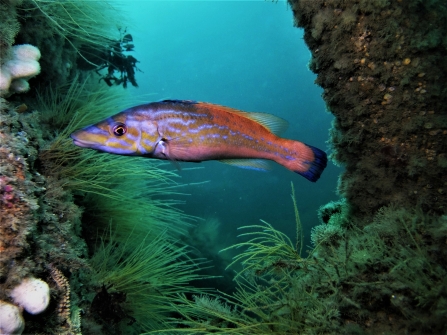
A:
{"x":246,"y":163}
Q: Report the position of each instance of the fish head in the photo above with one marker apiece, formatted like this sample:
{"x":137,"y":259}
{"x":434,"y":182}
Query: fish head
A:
{"x":121,"y":134}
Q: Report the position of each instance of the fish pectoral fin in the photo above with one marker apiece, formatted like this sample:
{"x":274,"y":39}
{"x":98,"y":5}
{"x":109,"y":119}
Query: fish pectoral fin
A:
{"x":179,"y":148}
{"x":247,"y":163}
{"x":176,"y":164}
{"x":163,"y":151}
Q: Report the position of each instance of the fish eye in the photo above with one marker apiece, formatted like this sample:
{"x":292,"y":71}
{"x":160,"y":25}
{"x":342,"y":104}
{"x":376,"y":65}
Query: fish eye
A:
{"x":120,"y":129}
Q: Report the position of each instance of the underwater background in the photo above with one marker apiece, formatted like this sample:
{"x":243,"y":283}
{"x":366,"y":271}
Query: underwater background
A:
{"x":94,"y":243}
{"x":246,"y":55}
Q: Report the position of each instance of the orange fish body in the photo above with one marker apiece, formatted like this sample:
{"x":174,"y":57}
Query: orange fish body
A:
{"x":196,"y":131}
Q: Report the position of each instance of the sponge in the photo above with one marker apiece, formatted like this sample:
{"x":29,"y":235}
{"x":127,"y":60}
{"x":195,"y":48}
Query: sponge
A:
{"x":11,"y":320}
{"x":15,"y":72}
{"x":32,"y":294}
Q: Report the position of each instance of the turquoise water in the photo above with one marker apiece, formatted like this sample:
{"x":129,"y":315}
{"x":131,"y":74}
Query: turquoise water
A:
{"x":249,"y":56}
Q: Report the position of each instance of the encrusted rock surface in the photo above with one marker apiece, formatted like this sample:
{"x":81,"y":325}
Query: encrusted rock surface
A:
{"x":382,"y":67}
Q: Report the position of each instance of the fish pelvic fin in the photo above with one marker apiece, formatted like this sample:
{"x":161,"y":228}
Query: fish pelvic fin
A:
{"x":307,"y":160}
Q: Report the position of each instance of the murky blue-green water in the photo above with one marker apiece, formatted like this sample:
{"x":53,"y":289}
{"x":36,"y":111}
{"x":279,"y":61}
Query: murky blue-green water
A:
{"x":249,"y":56}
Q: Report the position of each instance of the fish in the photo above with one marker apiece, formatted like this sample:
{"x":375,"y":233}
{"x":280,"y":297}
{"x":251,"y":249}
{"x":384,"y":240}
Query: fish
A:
{"x":192,"y":131}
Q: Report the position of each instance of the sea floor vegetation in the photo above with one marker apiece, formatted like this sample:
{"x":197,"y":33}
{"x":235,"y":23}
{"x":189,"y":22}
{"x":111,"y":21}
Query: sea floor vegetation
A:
{"x":51,"y":226}
{"x":387,"y":277}
{"x":140,"y":279}
{"x":143,"y":262}
{"x":58,"y":201}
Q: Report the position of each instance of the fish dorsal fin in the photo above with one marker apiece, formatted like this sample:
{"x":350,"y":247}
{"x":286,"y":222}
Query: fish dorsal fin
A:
{"x":273,"y":123}
{"x":179,"y":102}
{"x":247,"y":163}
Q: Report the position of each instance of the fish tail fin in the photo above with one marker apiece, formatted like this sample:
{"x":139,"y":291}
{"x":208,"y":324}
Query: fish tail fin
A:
{"x":306,"y":160}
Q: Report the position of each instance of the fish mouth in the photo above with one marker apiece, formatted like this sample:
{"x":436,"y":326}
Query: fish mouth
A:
{"x":79,"y":143}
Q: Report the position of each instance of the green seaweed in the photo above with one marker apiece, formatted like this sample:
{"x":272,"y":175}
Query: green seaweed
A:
{"x":149,"y":271}
{"x":79,"y":23}
{"x":389,"y":273}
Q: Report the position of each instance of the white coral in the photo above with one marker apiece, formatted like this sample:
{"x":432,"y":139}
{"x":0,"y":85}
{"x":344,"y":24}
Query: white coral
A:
{"x":15,"y":72}
{"x":32,"y":294}
{"x":11,"y":320}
